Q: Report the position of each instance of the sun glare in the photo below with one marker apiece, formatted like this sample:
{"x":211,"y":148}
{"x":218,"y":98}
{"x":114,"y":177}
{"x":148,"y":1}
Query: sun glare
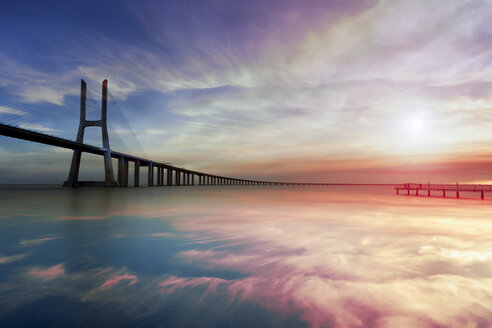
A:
{"x":416,"y":123}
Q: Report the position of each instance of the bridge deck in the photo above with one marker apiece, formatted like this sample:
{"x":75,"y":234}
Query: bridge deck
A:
{"x":442,"y":188}
{"x":20,"y":133}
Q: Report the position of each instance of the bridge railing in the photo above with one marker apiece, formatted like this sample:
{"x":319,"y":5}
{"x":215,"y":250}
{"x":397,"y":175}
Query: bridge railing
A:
{"x":440,"y":187}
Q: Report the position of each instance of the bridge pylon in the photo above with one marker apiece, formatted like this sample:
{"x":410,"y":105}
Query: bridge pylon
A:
{"x":73,"y":176}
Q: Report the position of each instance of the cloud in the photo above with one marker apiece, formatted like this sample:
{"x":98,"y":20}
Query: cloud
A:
{"x":11,"y":111}
{"x":50,"y":273}
{"x":348,"y":267}
{"x":37,"y":127}
{"x":12,"y":258}
{"x":37,"y":241}
{"x":170,"y":284}
{"x":162,"y":234}
{"x":116,"y":278}
{"x":33,"y":85}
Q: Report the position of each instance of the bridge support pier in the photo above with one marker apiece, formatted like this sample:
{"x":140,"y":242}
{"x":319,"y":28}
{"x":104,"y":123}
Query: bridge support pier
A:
{"x":169,"y":180}
{"x":482,"y":195}
{"x":125,"y":174}
{"x":122,"y":172}
{"x":150,"y":175}
{"x":136,"y":174}
{"x":444,"y":193}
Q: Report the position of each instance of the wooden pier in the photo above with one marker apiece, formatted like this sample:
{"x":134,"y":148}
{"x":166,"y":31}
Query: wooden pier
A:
{"x":442,"y":188}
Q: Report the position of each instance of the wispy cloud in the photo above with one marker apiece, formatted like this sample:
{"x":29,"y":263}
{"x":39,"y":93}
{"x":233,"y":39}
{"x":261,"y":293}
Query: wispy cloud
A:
{"x":37,"y":127}
{"x":38,"y":241}
{"x":12,"y":258}
{"x":49,"y":273}
{"x":116,"y":278}
{"x":11,"y":111}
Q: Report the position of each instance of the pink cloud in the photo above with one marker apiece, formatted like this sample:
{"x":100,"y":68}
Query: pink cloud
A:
{"x":115,"y":279}
{"x":12,"y":258}
{"x":170,"y":284}
{"x":162,"y":234}
{"x":49,"y":273}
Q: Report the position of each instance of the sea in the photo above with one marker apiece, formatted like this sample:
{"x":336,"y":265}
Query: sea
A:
{"x":243,"y":256}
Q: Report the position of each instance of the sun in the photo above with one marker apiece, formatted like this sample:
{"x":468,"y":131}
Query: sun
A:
{"x":416,"y":123}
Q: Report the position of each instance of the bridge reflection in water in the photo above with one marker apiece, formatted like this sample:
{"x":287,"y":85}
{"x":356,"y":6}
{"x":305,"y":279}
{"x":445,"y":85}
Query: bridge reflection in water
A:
{"x":454,"y":188}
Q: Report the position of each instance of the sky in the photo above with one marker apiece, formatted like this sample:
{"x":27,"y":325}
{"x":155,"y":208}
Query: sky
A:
{"x":332,"y":91}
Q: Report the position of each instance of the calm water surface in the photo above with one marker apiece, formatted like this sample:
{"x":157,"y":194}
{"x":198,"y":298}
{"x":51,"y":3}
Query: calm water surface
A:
{"x":243,"y":257}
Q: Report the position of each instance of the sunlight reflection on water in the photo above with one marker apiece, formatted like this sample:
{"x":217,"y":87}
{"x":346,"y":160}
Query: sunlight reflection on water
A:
{"x":245,"y":256}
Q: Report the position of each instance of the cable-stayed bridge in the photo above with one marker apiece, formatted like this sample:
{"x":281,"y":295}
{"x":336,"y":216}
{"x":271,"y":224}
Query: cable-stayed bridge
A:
{"x":159,"y":174}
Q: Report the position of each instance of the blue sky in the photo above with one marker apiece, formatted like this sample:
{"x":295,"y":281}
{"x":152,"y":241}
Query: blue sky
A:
{"x":292,"y":90}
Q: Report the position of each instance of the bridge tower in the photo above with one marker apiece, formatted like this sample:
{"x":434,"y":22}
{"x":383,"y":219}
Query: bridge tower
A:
{"x":73,"y":176}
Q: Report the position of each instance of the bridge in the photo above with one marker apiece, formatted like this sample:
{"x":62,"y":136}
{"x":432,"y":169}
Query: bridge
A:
{"x":164,"y":174}
{"x":159,"y":174}
{"x":442,"y":188}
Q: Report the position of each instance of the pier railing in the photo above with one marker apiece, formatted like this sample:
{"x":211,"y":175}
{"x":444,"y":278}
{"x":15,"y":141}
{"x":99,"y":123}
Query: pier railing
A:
{"x":442,"y":188}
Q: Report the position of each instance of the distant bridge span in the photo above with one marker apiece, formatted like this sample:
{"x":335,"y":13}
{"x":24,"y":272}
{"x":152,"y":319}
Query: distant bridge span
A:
{"x":166,"y":174}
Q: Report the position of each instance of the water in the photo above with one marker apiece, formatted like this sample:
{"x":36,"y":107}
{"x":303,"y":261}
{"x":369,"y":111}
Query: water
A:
{"x":243,"y":257}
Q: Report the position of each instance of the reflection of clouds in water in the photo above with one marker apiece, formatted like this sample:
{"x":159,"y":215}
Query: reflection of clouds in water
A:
{"x":37,"y":241}
{"x":425,"y":265}
{"x":12,"y":258}
{"x":72,"y":217}
{"x":48,"y":273}
{"x":170,"y":284}
{"x":328,"y":258}
{"x":116,"y":278}
{"x":326,"y":302}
